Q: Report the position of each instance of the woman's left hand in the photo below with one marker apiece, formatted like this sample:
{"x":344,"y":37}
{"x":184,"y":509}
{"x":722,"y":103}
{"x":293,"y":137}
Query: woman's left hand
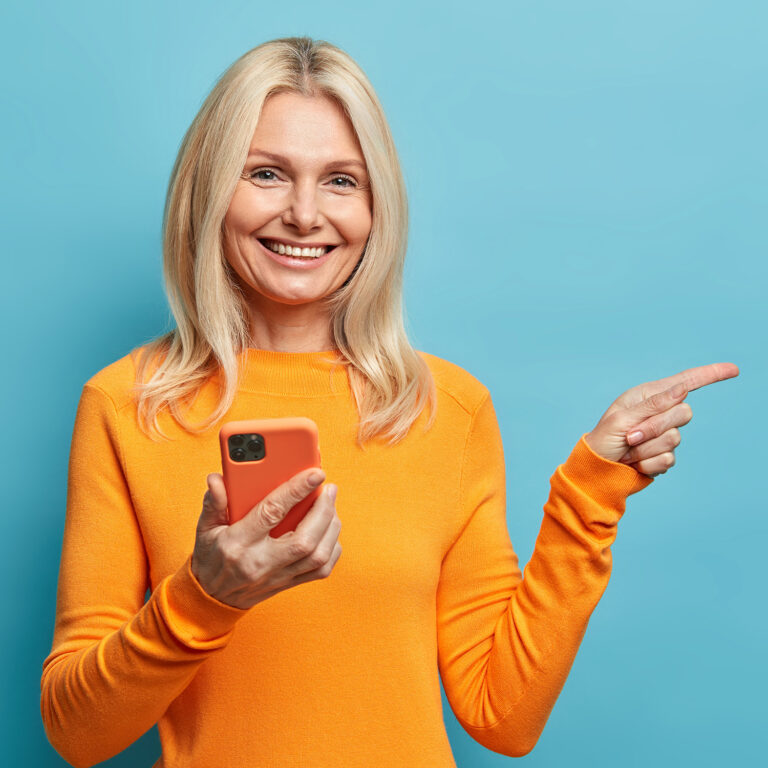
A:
{"x":640,"y":427}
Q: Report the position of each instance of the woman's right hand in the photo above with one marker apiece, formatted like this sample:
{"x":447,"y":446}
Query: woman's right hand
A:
{"x":242,"y":565}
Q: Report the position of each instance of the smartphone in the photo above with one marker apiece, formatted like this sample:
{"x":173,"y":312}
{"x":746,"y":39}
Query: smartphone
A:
{"x":257,"y":455}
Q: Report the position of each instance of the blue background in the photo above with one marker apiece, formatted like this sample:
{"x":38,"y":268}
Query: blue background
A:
{"x":587,"y":185}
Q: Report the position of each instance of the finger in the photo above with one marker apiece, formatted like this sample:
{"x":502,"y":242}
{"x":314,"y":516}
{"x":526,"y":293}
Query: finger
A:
{"x":323,"y":571}
{"x":668,"y":441}
{"x":652,"y":406}
{"x":300,"y":545}
{"x":214,"y":512}
{"x":278,"y":503}
{"x":322,"y":552}
{"x":693,"y":378}
{"x":653,"y":427}
{"x":657,"y":465}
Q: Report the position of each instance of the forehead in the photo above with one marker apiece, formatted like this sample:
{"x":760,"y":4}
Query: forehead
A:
{"x":305,"y":129}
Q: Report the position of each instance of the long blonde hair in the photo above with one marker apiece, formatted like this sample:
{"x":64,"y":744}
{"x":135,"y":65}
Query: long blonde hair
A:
{"x":390,"y":381}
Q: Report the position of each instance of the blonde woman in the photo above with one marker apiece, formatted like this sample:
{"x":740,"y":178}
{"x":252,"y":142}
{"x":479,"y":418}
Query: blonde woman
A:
{"x":284,"y":239}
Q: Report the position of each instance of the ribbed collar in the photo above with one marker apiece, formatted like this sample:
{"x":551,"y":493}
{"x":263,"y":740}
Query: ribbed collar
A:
{"x":310,"y":374}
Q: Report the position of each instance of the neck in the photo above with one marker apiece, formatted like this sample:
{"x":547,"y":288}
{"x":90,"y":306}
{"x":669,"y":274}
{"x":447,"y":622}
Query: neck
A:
{"x":291,"y":328}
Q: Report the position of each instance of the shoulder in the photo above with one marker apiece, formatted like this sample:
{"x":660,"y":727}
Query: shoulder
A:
{"x":456,"y":383}
{"x":116,"y":381}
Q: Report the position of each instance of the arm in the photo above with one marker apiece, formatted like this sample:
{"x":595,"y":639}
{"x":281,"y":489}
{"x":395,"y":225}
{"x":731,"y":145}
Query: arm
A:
{"x":116,"y":663}
{"x":506,"y":642}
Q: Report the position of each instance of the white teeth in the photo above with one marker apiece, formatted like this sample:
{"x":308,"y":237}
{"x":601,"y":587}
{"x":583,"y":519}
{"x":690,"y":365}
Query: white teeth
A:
{"x":305,"y":253}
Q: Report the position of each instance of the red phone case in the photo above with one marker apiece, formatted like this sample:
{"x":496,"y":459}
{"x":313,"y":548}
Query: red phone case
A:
{"x":290,"y":445}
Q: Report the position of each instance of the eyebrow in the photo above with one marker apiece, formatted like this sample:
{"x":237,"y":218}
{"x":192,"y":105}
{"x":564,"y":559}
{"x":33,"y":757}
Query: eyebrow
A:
{"x":286,"y":161}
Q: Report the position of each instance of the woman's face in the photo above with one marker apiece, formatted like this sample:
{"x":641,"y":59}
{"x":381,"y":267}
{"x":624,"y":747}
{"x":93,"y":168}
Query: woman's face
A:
{"x":307,"y":187}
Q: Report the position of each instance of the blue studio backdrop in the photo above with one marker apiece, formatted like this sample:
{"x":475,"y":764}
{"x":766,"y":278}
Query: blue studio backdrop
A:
{"x":587,"y":186}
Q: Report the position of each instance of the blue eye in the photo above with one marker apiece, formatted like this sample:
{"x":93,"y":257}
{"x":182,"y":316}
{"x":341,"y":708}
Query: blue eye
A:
{"x":350,"y":182}
{"x":254,"y":174}
{"x":267,"y":174}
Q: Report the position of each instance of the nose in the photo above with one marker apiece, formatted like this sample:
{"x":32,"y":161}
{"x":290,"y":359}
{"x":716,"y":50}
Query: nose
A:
{"x":302,"y":211}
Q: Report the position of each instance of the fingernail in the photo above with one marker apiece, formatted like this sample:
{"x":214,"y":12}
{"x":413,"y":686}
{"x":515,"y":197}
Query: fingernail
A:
{"x":315,"y":478}
{"x":634,"y":437}
{"x":331,"y":491}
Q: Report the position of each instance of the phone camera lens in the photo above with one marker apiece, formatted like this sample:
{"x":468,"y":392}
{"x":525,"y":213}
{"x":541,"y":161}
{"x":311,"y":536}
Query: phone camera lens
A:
{"x":238,"y":454}
{"x":254,"y":446}
{"x":236,"y":440}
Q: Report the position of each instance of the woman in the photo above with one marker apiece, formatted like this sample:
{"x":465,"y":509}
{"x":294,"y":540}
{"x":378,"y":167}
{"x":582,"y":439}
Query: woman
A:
{"x":237,"y":666}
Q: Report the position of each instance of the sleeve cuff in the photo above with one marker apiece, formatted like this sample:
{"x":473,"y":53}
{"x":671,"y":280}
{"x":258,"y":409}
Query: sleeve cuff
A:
{"x":616,"y":480}
{"x":195,"y":618}
{"x":607,"y":483}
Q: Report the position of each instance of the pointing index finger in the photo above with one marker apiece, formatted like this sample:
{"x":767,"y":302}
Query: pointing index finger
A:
{"x":693,"y":378}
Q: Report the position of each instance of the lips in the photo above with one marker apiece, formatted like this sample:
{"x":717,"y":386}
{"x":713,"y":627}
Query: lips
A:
{"x":276,"y":245}
{"x":296,"y":262}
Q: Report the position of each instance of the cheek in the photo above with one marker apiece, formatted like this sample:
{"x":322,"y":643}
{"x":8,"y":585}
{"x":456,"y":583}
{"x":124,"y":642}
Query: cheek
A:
{"x":247,"y":211}
{"x":237,"y":210}
{"x":357,"y":224}
{"x":238,"y":223}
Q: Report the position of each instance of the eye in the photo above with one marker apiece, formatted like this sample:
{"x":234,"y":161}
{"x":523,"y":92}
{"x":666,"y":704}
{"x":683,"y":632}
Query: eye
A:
{"x":255,"y":175}
{"x":348,"y":182}
{"x":340,"y":181}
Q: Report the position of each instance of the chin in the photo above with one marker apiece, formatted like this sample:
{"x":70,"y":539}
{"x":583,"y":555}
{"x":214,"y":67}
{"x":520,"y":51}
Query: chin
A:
{"x":295,"y":301}
{"x":296,"y":298}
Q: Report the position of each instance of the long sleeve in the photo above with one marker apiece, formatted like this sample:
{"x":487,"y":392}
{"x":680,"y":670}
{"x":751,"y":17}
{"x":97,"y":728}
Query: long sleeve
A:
{"x":116,"y":662}
{"x":507,"y":641}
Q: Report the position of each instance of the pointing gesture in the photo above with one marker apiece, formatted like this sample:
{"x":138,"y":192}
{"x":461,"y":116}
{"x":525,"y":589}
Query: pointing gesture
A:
{"x":640,"y":427}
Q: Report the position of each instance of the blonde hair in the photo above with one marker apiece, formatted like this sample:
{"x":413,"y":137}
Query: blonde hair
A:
{"x":390,"y":381}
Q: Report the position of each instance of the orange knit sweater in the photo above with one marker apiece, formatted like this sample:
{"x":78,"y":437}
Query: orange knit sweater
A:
{"x":343,"y":671}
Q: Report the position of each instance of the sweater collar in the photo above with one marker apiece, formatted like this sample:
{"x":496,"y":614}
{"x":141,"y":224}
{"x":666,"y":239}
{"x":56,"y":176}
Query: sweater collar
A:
{"x":293,"y":373}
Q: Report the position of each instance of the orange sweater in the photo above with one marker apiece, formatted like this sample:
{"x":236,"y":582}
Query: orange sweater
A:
{"x":342,"y":671}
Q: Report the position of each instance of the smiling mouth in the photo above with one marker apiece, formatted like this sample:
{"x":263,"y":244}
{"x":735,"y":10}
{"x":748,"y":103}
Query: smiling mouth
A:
{"x":295,"y":251}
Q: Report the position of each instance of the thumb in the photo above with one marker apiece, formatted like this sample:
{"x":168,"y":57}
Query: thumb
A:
{"x":277,"y":504}
{"x":214,"y":512}
{"x":657,"y":403}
